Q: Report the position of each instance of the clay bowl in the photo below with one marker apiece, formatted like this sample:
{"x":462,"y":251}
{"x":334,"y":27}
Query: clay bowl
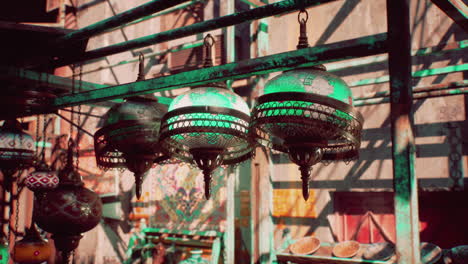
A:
{"x":346,"y":249}
{"x":305,"y":246}
{"x":430,"y":253}
{"x":379,"y":251}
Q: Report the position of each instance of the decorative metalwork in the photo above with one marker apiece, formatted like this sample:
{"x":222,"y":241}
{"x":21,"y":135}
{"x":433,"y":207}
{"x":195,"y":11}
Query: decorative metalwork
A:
{"x":207,"y":126}
{"x":16,"y":150}
{"x":129,"y":137}
{"x":68,"y":210}
{"x":308,"y":114}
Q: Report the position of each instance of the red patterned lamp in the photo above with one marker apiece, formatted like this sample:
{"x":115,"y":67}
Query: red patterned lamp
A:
{"x":16,"y":150}
{"x":42,"y":179}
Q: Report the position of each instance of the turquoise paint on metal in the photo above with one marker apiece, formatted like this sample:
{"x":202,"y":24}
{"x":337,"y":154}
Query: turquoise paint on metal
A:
{"x":403,"y":145}
{"x":216,"y":23}
{"x":283,"y":61}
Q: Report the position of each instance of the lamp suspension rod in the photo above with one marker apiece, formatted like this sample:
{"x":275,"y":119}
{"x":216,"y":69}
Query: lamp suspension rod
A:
{"x":119,"y":19}
{"x":348,"y":49}
{"x":201,"y":27}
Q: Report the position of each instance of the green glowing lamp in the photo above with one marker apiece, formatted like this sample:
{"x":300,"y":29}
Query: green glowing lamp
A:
{"x":208,"y":126}
{"x":308,"y":113}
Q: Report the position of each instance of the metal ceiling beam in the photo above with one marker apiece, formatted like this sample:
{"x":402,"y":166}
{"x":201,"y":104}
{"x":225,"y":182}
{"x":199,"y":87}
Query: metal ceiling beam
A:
{"x":216,"y":23}
{"x":119,"y":19}
{"x":364,"y":46}
{"x":457,"y":10}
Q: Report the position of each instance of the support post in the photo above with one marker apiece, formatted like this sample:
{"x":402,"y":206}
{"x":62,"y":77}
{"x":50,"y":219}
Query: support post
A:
{"x":403,"y":146}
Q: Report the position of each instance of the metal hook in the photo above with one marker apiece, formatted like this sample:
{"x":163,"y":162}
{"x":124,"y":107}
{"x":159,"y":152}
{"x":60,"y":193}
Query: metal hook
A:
{"x":304,"y":19}
{"x":141,"y":67}
{"x":303,"y":42}
{"x":209,"y":41}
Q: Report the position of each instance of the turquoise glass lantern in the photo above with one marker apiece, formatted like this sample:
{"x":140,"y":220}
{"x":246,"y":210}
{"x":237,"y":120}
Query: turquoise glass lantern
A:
{"x":308,"y":113}
{"x":208,"y":126}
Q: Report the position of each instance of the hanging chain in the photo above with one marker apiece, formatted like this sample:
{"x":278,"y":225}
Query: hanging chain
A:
{"x":38,"y":120}
{"x":17,"y":212}
{"x":44,"y":138}
{"x":10,"y":213}
{"x":80,"y":84}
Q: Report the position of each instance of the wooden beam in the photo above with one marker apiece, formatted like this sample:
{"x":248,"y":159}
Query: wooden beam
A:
{"x":457,"y":10}
{"x":364,"y":46}
{"x":403,"y":146}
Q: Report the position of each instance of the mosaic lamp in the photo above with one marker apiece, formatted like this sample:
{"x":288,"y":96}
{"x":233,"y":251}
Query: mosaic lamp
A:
{"x":308,"y":113}
{"x":16,"y":150}
{"x":130,"y":134}
{"x":207,"y":126}
{"x":68,"y":210}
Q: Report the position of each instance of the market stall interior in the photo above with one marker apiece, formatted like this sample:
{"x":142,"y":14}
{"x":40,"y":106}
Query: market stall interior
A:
{"x":254,"y":131}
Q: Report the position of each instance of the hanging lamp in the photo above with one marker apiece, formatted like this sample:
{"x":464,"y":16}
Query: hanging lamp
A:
{"x":43,"y":178}
{"x":207,"y":126}
{"x":32,"y":249}
{"x":308,"y":113}
{"x":16,"y":150}
{"x":68,"y":210}
{"x":129,"y":137}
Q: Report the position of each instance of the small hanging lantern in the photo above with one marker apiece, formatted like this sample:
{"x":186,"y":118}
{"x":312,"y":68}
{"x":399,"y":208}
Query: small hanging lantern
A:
{"x":16,"y":150}
{"x":43,"y":178}
{"x":68,"y":210}
{"x":129,"y":137}
{"x":208,"y":126}
{"x":32,"y":249}
{"x":308,"y":113}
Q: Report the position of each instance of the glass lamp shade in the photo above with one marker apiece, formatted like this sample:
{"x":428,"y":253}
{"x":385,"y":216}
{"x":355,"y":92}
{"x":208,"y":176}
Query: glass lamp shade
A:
{"x":308,"y":114}
{"x":32,"y":249}
{"x":207,"y":126}
{"x":129,"y":137}
{"x":16,"y":151}
{"x":42,"y":179}
{"x":16,"y":147}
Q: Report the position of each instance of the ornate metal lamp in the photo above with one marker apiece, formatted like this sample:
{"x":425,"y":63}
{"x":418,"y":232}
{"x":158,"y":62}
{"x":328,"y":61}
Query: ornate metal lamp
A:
{"x":308,"y":113}
{"x":129,"y":137}
{"x":16,"y":150}
{"x":68,"y":210}
{"x":208,"y":126}
{"x":43,"y":178}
